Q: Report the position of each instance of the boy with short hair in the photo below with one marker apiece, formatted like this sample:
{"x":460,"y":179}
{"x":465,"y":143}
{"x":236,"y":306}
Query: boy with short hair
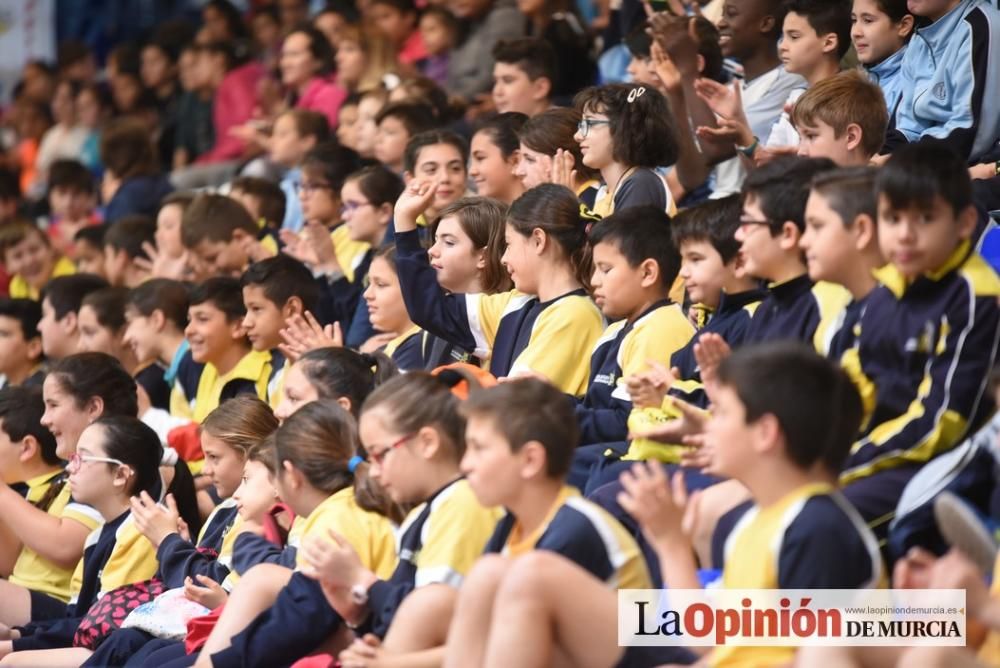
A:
{"x":295,"y":133}
{"x":218,"y":340}
{"x":61,"y":301}
{"x":397,"y":122}
{"x":89,"y":245}
{"x":222,"y":236}
{"x":930,"y":332}
{"x":275,"y":290}
{"x":263,"y":199}
{"x":30,"y":259}
{"x":20,"y":342}
{"x":123,"y":249}
{"x":523,"y":75}
{"x":72,"y":202}
{"x":843,"y":118}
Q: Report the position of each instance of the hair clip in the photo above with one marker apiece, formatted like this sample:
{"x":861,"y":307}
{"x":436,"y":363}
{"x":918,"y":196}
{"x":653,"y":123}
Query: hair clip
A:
{"x":353,"y":463}
{"x":635,"y":94}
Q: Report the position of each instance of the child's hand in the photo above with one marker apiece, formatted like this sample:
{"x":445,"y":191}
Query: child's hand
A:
{"x":210,"y":594}
{"x":416,"y":199}
{"x":362,"y":653}
{"x":318,"y":238}
{"x":762,"y":155}
{"x":376,"y":343}
{"x":648,"y":388}
{"x":562,"y":171}
{"x":727,"y":131}
{"x":687,"y":429}
{"x":657,"y":504}
{"x":303,"y":333}
{"x":154,"y":521}
{"x":723,"y":101}
{"x":709,"y":352}
{"x":333,"y":561}
{"x":161,"y":265}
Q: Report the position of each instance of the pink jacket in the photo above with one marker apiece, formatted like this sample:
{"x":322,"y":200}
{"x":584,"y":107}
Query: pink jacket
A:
{"x":324,"y":96}
{"x":234,"y":104}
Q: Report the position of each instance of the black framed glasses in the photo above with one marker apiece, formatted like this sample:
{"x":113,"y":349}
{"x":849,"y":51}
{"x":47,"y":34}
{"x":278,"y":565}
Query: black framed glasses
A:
{"x":583,"y":127}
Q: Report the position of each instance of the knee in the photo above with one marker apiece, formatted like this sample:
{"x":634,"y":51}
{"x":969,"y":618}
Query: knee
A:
{"x":929,"y":657}
{"x":487,"y":572}
{"x":532,"y":577}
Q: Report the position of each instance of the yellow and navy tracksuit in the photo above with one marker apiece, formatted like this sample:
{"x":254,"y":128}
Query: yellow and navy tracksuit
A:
{"x":182,"y":376}
{"x":515,"y":331}
{"x":582,"y":532}
{"x":19,"y":288}
{"x":114,"y":555}
{"x":250,"y":376}
{"x":407,"y":350}
{"x":152,"y":379}
{"x":799,"y":309}
{"x":439,"y":542}
{"x":212,"y":556}
{"x":33,"y":571}
{"x":923,"y":354}
{"x":812,"y":538}
{"x":624,"y":350}
{"x":276,"y":381}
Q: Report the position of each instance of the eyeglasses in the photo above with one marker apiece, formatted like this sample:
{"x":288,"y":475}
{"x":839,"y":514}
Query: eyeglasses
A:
{"x":307,"y":188}
{"x":583,"y":127}
{"x":351,"y":207}
{"x":77,"y":460}
{"x":754,"y":223}
{"x":379,"y":457}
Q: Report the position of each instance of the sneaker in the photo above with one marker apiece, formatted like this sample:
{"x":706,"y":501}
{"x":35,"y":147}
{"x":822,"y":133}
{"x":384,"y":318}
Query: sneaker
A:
{"x":963,"y":528}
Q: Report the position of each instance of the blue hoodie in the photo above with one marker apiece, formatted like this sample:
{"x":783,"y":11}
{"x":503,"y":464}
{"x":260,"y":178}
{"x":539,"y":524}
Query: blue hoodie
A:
{"x":139,"y":194}
{"x":951,"y":82}
{"x":887,"y":75}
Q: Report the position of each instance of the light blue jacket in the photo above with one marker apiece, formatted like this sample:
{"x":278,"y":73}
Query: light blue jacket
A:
{"x":951,"y":81}
{"x":887,"y":75}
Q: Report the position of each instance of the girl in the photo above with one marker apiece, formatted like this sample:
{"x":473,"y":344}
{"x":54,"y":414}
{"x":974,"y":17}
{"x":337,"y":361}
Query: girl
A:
{"x":102,"y":325}
{"x":388,"y":314}
{"x":169,"y":259}
{"x":438,"y":157}
{"x":546,"y":141}
{"x":625,"y":133}
{"x":880,"y":30}
{"x":548,"y":260}
{"x":366,"y":203}
{"x":494,"y":157}
{"x":364,"y":59}
{"x":334,"y":374}
{"x":327,"y":491}
{"x":414,"y":434}
{"x":306,"y":62}
{"x":116,"y":458}
{"x":347,"y":122}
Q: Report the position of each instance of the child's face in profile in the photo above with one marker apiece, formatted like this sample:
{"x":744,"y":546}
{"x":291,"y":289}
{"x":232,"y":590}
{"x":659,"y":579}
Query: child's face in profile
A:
{"x":759,"y":249}
{"x":347,"y":126}
{"x":95,"y":337}
{"x":728,"y":437}
{"x":90,"y":259}
{"x":436,"y":36}
{"x":618,"y":286}
{"x":33,"y":259}
{"x":168,"y":231}
{"x":819,"y":140}
{"x":223,"y":464}
{"x":210,"y":333}
{"x":256,"y":492}
{"x":489,"y":464}
{"x":801,"y":49}
{"x":703,"y":272}
{"x":140,"y":335}
{"x":287,"y":147}
{"x":391,"y":137}
{"x":386,"y":309}
{"x":920,"y":239}
{"x":828,"y":244}
{"x":10,"y":454}
{"x":298,"y":392}
{"x":263,"y":321}
{"x":14,"y":349}
{"x":394,"y":465}
{"x":454,"y":257}
{"x":873,"y":33}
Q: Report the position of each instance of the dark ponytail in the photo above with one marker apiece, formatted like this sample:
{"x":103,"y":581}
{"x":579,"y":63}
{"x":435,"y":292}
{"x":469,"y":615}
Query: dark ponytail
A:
{"x":341,"y":372}
{"x":87,"y":375}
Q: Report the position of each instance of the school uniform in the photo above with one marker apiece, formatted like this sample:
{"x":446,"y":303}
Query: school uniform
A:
{"x":19,"y":288}
{"x":182,"y":377}
{"x":151,"y":379}
{"x":847,"y":327}
{"x":812,"y":538}
{"x":798,"y":309}
{"x":440,"y":352}
{"x":924,"y":351}
{"x":49,"y":584}
{"x":249,"y":376}
{"x":276,"y":380}
{"x":407,"y":350}
{"x":114,"y":555}
{"x":439,"y":542}
{"x":888,"y":76}
{"x":582,"y":532}
{"x":517,"y":332}
{"x":638,"y":187}
{"x":340,"y":294}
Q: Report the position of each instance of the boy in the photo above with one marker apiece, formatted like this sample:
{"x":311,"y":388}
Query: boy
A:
{"x":222,"y":236}
{"x":841,"y":243}
{"x":769,"y":231}
{"x":89,"y":246}
{"x":72,"y":203}
{"x":263,"y":199}
{"x":124,"y":243}
{"x":397,"y":123}
{"x":843,"y":118}
{"x":929,"y":335}
{"x":30,"y":259}
{"x":520,"y":439}
{"x":523,"y":73}
{"x":296,"y":132}
{"x":20,"y":342}
{"x":218,"y":340}
{"x":156,"y":316}
{"x":951,"y":86}
{"x":61,"y":301}
{"x":274,"y":290}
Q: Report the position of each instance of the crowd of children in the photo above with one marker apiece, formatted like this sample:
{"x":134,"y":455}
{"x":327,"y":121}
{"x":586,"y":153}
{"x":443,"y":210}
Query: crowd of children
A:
{"x":405,"y":334}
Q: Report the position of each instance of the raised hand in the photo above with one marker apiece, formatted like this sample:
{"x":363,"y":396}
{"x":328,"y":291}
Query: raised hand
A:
{"x":416,"y":199}
{"x":563,"y":170}
{"x":303,"y":333}
{"x":658,"y":504}
{"x":155,"y":521}
{"x":161,"y":265}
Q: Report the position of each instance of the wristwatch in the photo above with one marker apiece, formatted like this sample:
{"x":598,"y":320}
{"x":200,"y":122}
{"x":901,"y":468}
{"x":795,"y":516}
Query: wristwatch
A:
{"x":748,"y":150}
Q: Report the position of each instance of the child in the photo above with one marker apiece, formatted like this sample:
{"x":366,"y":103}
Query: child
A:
{"x":396,"y":21}
{"x":125,"y":244}
{"x":295,"y":133}
{"x":263,"y":199}
{"x":546,"y":138}
{"x":770,"y":228}
{"x":347,"y":123}
{"x":218,"y":340}
{"x":102,"y":328}
{"x":494,"y":156}
{"x":440,"y":157}
{"x":222,"y":237}
{"x":949,"y":81}
{"x":880,"y":30}
{"x":523,"y":75}
{"x":547,"y":259}
{"x":842,"y":118}
{"x":61,"y":301}
{"x":396,"y":123}
{"x":413,"y":433}
{"x":388,"y":315}
{"x":520,"y":438}
{"x":370,"y":103}
{"x":72,"y":203}
{"x":917,"y":406}
{"x":156,"y":316}
{"x":20,"y":343}
{"x":171,"y":259}
{"x":30,"y":259}
{"x":439,"y":31}
{"x":132,"y":180}
{"x":841,"y":243}
{"x":117,"y":458}
{"x":275,"y":290}
{"x":626,"y":132}
{"x":88,"y":244}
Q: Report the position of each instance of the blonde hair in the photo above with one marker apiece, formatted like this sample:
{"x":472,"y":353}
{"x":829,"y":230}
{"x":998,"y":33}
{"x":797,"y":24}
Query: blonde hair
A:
{"x":242,"y":422}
